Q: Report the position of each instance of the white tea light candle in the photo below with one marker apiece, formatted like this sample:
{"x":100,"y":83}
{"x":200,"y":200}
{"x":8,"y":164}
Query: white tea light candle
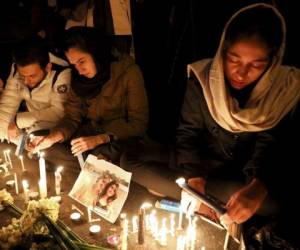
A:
{"x":75,"y":216}
{"x":94,"y":229}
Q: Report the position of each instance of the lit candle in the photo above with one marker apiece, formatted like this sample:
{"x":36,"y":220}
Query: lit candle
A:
{"x":226,"y":240}
{"x":8,"y":158}
{"x":58,"y":178}
{"x":179,"y":227}
{"x":5,"y":156}
{"x":155,"y":229}
{"x":89,"y":212}
{"x":172,"y":225}
{"x":134,"y":224}
{"x":147,"y":222}
{"x":94,"y":229}
{"x":180,"y":243}
{"x":75,"y":216}
{"x":124,"y":235}
{"x":193,"y":237}
{"x":141,"y":226}
{"x":42,"y":189}
{"x":33,"y":195}
{"x":16,"y":183}
{"x":10,"y":183}
{"x":163,"y":233}
{"x":22,"y":162}
{"x":194,"y":221}
{"x":25,"y":190}
{"x":43,"y":179}
{"x":143,"y":219}
{"x":77,"y":209}
{"x":123,"y":216}
{"x":153,"y":223}
{"x":4,"y":167}
{"x":188,"y":232}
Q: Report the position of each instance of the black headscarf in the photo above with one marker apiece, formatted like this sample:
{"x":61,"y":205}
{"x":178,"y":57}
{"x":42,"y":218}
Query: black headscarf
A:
{"x":94,"y":42}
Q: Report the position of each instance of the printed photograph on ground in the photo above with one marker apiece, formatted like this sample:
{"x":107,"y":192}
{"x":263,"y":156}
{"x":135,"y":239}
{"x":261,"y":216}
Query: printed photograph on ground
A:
{"x":103,"y":187}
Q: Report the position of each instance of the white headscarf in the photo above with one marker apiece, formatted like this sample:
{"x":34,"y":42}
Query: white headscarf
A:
{"x":276,"y":93}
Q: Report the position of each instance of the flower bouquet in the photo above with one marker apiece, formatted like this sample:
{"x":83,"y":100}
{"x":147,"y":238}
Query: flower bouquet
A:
{"x":40,"y":219}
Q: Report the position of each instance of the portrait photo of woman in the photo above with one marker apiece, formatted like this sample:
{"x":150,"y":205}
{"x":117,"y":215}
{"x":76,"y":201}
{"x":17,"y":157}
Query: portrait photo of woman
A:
{"x":108,"y":194}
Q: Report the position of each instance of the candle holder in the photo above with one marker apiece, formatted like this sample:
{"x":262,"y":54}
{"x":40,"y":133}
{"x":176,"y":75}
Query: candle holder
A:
{"x":10,"y":183}
{"x":56,"y":198}
{"x":33,"y":195}
{"x":75,"y":216}
{"x":95,"y":229}
{"x":4,"y":168}
{"x":113,"y":240}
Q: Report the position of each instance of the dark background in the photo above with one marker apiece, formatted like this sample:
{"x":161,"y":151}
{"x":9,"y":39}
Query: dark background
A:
{"x":167,"y":35}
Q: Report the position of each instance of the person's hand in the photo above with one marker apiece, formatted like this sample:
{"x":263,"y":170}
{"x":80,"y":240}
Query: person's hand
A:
{"x":38,"y":143}
{"x":82,"y":144}
{"x":188,"y":203}
{"x":13,"y":131}
{"x":198,"y":184}
{"x":244,"y":203}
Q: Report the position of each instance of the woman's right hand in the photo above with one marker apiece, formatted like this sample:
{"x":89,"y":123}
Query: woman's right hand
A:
{"x":38,"y":143}
{"x":188,"y":203}
{"x":85,"y":143}
{"x":198,"y":184}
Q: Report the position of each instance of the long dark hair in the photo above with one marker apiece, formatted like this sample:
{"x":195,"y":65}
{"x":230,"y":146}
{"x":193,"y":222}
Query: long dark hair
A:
{"x":89,"y":40}
{"x":94,"y":42}
{"x":104,"y":191}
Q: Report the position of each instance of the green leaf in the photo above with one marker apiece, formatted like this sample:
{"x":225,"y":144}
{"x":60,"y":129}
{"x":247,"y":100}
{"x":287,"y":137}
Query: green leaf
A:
{"x":60,"y":235}
{"x":85,"y":246}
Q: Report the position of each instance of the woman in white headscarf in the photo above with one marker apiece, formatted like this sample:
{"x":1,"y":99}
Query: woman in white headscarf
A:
{"x":236,"y":107}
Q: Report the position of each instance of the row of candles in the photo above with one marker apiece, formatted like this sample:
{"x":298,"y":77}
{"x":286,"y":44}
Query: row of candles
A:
{"x":143,"y":221}
{"x":43,"y":179}
{"x":8,"y":161}
{"x":150,"y":223}
{"x":43,"y":186}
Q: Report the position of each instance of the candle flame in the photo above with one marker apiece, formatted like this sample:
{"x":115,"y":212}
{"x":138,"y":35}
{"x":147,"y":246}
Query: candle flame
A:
{"x":180,"y":181}
{"x":59,"y":169}
{"x":146,"y":205}
{"x":25,"y":184}
{"x":123,"y":216}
